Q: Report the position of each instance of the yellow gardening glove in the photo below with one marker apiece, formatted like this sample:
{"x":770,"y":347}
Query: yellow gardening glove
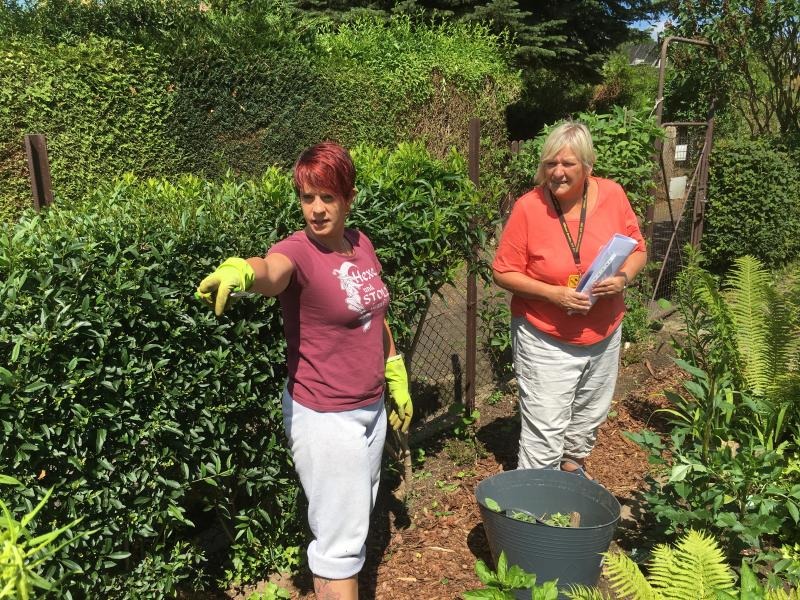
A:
{"x":397,"y":382}
{"x":234,"y":275}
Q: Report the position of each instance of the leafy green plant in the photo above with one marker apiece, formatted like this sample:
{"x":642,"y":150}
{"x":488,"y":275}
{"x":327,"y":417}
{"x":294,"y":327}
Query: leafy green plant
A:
{"x":24,"y":555}
{"x":495,"y":318}
{"x":495,"y":398}
{"x":555,"y":519}
{"x":501,"y":584}
{"x":272,"y":591}
{"x":465,"y":422}
{"x":747,"y":329}
{"x":728,"y":458}
{"x":464,"y":448}
{"x":637,"y":326}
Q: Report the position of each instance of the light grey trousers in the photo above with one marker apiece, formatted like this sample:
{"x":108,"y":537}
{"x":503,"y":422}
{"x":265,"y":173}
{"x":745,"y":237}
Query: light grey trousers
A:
{"x":565,"y":392}
{"x":337,"y":456}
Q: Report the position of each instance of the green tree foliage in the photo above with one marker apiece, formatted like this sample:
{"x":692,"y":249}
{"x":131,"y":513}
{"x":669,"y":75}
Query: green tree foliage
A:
{"x":624,"y":84}
{"x":148,"y":416}
{"x":753,"y":71}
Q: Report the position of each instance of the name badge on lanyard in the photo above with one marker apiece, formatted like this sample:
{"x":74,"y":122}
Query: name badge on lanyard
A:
{"x":573,"y":280}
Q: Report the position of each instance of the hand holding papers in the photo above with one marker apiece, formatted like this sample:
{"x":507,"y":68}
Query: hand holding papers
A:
{"x":608,"y":262}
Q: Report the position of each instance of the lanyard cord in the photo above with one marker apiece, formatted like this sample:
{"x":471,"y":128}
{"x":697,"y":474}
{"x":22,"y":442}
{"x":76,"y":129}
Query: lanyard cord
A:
{"x":574,"y":246}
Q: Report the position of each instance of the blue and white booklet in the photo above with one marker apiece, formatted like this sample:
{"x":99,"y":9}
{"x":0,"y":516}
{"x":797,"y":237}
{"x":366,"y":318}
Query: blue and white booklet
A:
{"x":608,"y":262}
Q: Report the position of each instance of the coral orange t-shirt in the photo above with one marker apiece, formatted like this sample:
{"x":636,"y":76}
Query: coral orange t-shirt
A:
{"x":533,"y":243}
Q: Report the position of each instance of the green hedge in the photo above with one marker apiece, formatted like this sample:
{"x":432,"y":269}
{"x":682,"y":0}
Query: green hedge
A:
{"x":105,"y":107}
{"x":150,"y":417}
{"x":623,"y":142}
{"x":236,"y":88}
{"x":753,"y":204}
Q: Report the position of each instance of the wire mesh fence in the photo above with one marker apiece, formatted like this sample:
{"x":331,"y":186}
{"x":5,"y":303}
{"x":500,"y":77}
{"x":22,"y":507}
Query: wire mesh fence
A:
{"x":438,"y":364}
{"x":679,"y":200}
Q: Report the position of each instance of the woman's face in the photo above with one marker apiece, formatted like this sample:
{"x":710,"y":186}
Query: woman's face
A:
{"x":565,"y":175}
{"x":324,"y":211}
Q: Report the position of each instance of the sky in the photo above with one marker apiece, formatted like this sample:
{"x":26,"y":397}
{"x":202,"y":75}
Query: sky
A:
{"x":656,"y":27}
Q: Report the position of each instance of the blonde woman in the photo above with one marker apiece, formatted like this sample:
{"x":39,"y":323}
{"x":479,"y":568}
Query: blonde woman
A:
{"x":565,"y":350}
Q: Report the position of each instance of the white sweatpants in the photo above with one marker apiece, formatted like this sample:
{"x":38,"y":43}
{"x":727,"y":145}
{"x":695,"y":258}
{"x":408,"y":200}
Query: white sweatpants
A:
{"x":337,"y":456}
{"x":565,"y":392}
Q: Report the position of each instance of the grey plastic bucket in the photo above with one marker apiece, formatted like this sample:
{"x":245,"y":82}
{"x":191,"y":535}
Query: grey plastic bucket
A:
{"x":570,"y":554}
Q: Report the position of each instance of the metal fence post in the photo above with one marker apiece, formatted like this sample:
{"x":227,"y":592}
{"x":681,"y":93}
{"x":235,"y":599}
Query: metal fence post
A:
{"x":472,"y":284}
{"x":39,"y":170}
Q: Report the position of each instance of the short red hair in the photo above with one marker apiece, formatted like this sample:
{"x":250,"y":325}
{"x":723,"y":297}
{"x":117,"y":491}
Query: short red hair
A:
{"x":326,"y":166}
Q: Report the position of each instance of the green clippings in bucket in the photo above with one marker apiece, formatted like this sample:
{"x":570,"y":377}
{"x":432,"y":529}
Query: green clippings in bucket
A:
{"x":555,"y":519}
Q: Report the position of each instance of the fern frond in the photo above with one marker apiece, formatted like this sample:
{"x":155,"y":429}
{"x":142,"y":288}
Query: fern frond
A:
{"x":695,"y":569}
{"x":782,"y":595}
{"x":783,"y":338}
{"x":718,"y":323}
{"x":748,"y":288}
{"x":581,"y":592}
{"x":626,"y":580}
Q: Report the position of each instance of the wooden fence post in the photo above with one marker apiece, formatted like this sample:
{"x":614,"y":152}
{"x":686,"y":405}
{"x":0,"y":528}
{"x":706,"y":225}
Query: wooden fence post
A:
{"x":39,"y":170}
{"x":472,"y":284}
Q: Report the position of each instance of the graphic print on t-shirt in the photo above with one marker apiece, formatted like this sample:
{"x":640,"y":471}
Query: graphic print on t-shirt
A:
{"x":361,"y":296}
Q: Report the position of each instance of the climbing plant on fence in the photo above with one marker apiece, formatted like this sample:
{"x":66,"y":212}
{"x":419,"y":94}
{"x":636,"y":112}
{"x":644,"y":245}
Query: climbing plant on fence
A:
{"x":150,"y":417}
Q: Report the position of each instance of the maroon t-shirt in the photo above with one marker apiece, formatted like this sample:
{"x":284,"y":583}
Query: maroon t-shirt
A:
{"x":333,"y":311}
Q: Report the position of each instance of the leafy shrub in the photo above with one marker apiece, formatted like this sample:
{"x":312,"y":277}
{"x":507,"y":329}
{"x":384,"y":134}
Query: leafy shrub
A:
{"x":421,"y":214}
{"x":636,"y":322}
{"x":633,"y":86}
{"x":507,"y":582}
{"x":495,"y":317}
{"x":694,"y":568}
{"x":752,"y":204}
{"x":734,"y":425}
{"x":623,"y":142}
{"x":153,"y":419}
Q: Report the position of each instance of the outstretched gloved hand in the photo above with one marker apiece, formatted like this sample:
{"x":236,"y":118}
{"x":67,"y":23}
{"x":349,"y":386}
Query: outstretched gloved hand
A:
{"x":397,"y":382}
{"x":233,"y":275}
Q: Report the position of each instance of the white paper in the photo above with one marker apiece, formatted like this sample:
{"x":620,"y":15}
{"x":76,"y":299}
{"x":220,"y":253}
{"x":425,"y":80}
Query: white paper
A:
{"x":608,"y":262}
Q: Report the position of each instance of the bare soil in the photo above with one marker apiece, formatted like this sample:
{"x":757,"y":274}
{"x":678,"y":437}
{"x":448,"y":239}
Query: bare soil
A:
{"x":427,"y":546}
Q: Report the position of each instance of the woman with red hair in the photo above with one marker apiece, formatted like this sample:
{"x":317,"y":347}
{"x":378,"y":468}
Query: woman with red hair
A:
{"x":340,"y":356}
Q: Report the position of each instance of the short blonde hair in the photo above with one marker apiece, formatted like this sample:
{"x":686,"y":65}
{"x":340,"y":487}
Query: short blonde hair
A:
{"x":569,"y":133}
